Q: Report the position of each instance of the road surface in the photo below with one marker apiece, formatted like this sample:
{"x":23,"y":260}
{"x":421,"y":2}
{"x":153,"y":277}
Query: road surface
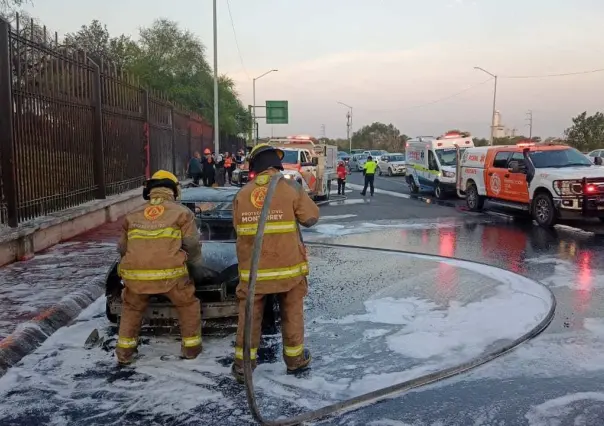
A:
{"x":372,"y":319}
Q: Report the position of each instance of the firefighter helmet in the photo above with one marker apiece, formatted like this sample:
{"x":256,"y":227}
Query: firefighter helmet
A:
{"x":162,"y":179}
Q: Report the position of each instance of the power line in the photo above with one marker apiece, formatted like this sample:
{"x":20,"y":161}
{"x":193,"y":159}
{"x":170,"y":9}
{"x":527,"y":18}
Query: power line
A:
{"x":446,"y":98}
{"x":555,"y":75}
{"x":236,"y":41}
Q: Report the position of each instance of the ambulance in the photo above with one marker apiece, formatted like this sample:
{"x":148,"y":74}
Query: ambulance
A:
{"x":431,"y":162}
{"x":309,"y":162}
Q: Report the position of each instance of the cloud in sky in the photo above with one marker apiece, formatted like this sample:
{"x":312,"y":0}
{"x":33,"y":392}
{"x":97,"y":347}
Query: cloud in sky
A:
{"x":387,"y":58}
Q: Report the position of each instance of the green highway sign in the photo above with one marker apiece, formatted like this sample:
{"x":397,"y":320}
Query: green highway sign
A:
{"x":277,"y":112}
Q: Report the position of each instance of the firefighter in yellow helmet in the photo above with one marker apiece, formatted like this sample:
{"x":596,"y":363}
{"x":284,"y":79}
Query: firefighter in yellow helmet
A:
{"x":283,"y":266}
{"x":159,"y":246}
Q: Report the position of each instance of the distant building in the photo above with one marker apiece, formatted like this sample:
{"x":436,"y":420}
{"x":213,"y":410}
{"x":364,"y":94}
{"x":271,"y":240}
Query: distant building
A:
{"x":500,"y":130}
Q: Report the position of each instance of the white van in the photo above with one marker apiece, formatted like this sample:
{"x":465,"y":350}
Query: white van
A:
{"x":431,"y":162}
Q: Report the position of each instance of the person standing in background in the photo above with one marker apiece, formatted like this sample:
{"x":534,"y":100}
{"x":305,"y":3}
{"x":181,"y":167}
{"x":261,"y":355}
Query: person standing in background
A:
{"x":369,"y":173}
{"x":194,"y":169}
{"x":342,"y":173}
{"x":220,"y":172}
{"x":209,"y":169}
{"x":229,"y":166}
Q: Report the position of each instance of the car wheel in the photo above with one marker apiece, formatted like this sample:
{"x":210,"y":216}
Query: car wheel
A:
{"x":438,"y":191}
{"x":544,"y":211}
{"x":413,"y":186}
{"x":390,"y":172}
{"x":474,"y":201}
{"x":379,"y":171}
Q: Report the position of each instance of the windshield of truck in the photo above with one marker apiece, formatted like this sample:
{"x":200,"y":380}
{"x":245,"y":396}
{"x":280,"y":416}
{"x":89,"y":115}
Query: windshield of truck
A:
{"x":397,"y":158}
{"x":559,"y":158}
{"x":290,"y":157}
{"x":448,"y":156}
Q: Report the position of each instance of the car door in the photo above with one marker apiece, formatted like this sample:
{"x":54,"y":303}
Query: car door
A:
{"x":496,"y":175}
{"x":433,"y":169}
{"x":383,"y":163}
{"x":307,"y":170}
{"x":515,"y":185}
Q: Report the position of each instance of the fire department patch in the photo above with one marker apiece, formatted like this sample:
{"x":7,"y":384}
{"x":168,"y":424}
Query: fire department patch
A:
{"x":495,"y":184}
{"x":257,"y":197}
{"x":153,"y":212}
{"x":262,"y":180}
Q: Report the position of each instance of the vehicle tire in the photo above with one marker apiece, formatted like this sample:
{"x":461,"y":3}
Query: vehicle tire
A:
{"x":474,"y":201}
{"x":111,"y":317}
{"x":543,"y":210}
{"x":413,"y":186}
{"x":390,"y":172}
{"x":438,"y":191}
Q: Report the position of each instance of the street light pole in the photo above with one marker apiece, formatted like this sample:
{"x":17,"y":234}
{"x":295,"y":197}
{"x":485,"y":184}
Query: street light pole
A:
{"x":348,"y":125}
{"x":254,"y":103}
{"x":494,"y":103}
{"x":216,"y":121}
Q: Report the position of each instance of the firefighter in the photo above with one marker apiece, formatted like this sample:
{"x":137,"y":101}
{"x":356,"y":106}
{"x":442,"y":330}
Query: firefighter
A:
{"x":159,"y":248}
{"x":283,"y":267}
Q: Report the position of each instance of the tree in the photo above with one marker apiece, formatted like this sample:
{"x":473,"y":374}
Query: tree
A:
{"x":95,"y":40}
{"x":8,"y":7}
{"x":587,"y":132}
{"x":173,"y":61}
{"x":379,"y":136}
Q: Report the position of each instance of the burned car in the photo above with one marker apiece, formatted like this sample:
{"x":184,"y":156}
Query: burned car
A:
{"x":219,"y":306}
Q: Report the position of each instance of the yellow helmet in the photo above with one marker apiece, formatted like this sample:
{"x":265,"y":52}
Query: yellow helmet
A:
{"x":162,"y":179}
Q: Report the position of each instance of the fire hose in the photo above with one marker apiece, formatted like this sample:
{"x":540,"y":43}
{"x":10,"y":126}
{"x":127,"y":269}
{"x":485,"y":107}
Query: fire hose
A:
{"x":369,"y":397}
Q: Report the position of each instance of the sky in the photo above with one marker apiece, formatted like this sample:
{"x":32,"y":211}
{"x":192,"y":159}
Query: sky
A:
{"x":394,"y":61}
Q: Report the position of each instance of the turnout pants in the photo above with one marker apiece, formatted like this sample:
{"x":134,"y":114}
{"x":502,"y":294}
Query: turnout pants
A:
{"x":291,"y":306}
{"x":368,"y":182}
{"x":182,"y":296}
{"x":341,"y":186}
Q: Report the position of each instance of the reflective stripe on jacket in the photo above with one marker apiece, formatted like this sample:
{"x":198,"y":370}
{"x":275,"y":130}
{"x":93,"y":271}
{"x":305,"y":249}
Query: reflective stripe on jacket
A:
{"x":370,"y":167}
{"x":157,"y":243}
{"x":284,"y":260}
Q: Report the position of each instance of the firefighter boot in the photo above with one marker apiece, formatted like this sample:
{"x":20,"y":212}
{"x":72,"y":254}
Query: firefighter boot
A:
{"x":296,"y":364}
{"x":237,"y":370}
{"x":126,"y":350}
{"x":190,"y":351}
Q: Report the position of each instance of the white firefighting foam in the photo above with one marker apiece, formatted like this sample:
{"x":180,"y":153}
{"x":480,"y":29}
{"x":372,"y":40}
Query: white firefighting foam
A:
{"x":355,"y":357}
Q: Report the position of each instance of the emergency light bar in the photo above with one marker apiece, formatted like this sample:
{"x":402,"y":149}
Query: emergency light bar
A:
{"x":525,"y":144}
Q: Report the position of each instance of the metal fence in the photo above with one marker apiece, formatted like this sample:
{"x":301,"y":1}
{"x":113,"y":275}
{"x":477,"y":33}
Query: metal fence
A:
{"x":72,"y":130}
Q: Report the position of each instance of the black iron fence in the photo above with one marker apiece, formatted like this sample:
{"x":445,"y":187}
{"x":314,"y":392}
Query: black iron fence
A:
{"x":72,"y":130}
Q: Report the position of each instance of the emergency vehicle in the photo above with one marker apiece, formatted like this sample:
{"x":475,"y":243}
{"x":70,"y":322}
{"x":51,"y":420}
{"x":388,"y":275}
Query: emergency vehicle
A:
{"x":548,"y":181}
{"x":431,"y":162}
{"x":311,"y":161}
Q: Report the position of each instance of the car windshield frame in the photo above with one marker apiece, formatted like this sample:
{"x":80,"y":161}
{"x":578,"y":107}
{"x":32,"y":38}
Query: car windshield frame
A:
{"x":540,"y":160}
{"x":291,"y":154}
{"x":453,"y":161}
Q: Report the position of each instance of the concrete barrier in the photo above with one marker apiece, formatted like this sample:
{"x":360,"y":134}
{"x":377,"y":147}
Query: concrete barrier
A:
{"x":39,"y":234}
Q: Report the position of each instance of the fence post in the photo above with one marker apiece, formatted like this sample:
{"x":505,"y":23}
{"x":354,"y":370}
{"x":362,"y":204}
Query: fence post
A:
{"x":7,"y":142}
{"x":146,"y":134}
{"x":173,"y":140}
{"x":98,"y":162}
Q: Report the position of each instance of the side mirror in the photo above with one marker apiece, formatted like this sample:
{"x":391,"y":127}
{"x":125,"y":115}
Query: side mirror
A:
{"x":598,"y":161}
{"x":315,"y":161}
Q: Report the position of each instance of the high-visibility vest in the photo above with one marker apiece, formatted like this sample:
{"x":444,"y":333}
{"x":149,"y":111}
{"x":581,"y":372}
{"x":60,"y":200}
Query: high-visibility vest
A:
{"x":228,"y":162}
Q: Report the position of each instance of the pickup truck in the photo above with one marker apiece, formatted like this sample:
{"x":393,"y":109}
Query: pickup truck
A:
{"x":549,"y":182}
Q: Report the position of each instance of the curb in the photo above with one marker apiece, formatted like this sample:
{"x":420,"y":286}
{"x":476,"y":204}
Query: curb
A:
{"x":30,"y":335}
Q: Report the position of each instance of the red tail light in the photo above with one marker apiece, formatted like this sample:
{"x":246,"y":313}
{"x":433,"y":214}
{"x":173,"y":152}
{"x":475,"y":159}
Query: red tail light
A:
{"x":590,"y":188}
{"x":252,"y":175}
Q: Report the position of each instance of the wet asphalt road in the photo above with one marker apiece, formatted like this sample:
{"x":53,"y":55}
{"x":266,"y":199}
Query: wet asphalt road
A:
{"x":555,"y":379}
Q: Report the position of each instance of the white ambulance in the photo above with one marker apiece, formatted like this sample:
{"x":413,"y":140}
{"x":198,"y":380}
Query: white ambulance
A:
{"x":431,"y":162}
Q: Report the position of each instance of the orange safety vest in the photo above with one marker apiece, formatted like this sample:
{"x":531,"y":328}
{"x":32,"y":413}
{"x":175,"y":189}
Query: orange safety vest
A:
{"x":228,"y":162}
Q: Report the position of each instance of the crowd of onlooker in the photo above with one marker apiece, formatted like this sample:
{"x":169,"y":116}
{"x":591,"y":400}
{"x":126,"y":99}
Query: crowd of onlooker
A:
{"x":214,"y":169}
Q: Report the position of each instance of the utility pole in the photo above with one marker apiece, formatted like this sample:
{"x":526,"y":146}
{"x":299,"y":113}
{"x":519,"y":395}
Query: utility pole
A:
{"x":529,"y":118}
{"x":323,"y":132}
{"x":216,"y":121}
{"x":348,"y":124}
{"x":494,"y":103}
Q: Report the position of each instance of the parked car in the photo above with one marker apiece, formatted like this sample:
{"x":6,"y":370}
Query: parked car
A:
{"x":393,"y":164}
{"x":596,"y":153}
{"x":357,"y":162}
{"x":376,"y":154}
{"x":344,"y":156}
